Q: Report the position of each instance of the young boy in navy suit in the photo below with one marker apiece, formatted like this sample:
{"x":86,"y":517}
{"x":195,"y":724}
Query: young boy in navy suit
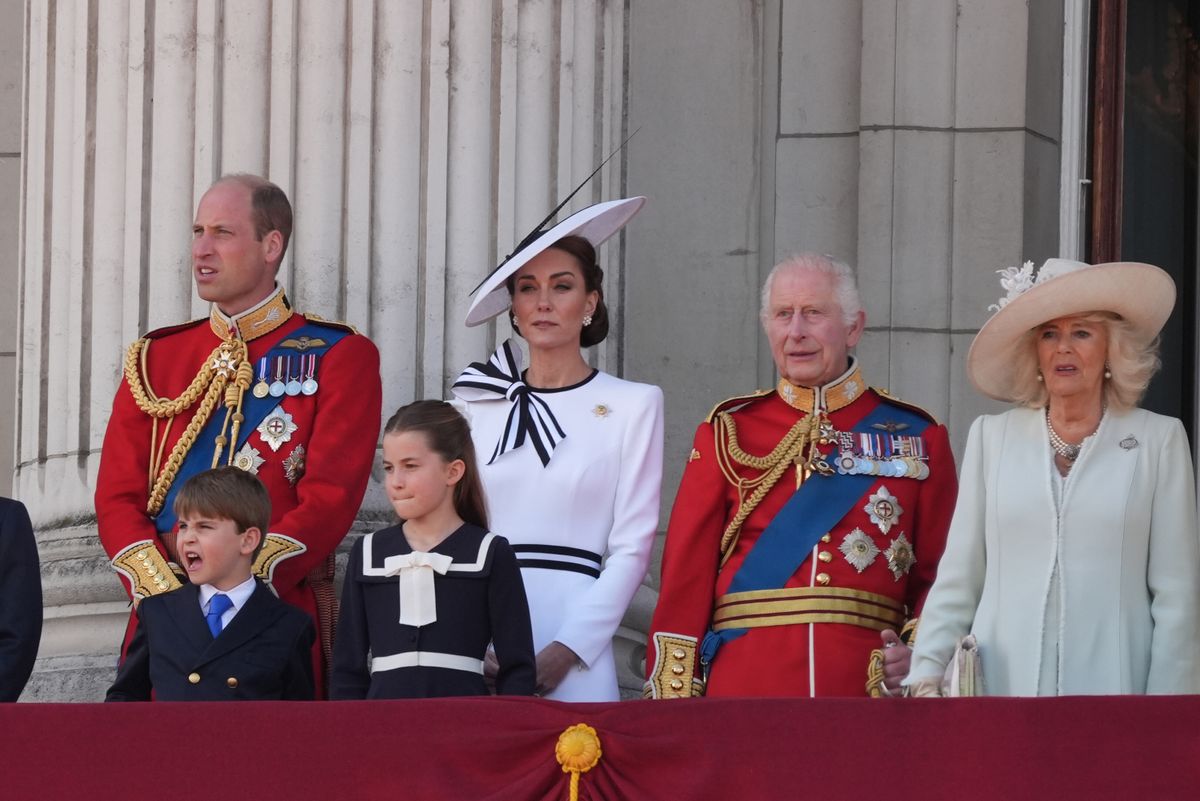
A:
{"x":224,"y":636}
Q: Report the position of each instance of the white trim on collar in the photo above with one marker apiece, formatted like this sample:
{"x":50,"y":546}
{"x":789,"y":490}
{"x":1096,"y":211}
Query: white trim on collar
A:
{"x":465,"y":567}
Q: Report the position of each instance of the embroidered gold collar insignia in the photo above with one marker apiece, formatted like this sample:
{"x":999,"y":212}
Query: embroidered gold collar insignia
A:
{"x":830,"y":397}
{"x":255,"y":322}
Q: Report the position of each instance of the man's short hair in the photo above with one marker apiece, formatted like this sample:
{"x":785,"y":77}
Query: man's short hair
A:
{"x":227,"y":493}
{"x":845,"y":287}
{"x":269,"y":206}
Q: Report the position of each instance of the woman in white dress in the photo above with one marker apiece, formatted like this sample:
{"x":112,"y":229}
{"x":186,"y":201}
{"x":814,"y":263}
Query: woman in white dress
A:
{"x":572,"y":455}
{"x":1073,"y":556}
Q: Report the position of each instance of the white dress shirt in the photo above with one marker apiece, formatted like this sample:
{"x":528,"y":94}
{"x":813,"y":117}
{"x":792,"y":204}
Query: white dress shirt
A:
{"x":238,"y":595}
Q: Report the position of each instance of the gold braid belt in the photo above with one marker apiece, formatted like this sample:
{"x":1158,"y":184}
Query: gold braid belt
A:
{"x":226,"y":372}
{"x":798,"y":447}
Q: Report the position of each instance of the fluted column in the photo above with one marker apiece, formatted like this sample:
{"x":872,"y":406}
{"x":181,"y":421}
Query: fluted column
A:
{"x":418,"y":140}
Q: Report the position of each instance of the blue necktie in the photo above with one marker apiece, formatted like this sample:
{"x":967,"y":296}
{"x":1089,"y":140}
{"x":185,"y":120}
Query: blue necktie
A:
{"x":217,"y":606}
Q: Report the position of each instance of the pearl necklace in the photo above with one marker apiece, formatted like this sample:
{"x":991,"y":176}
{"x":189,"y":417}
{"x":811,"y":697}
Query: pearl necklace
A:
{"x":1063,"y":448}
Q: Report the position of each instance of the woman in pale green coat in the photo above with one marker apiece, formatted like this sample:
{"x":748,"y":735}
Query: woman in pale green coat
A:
{"x":1073,"y":555}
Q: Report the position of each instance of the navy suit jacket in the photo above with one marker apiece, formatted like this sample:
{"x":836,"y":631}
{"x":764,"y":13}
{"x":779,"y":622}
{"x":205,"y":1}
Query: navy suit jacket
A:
{"x":20,"y":599}
{"x":264,"y":654}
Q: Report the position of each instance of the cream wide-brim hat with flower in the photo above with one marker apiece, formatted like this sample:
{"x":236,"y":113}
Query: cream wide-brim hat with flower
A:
{"x":1142,"y":294}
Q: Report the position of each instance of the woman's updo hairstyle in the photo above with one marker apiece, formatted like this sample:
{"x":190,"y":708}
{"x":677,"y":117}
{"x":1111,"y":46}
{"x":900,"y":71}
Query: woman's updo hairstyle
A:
{"x":593,"y":277}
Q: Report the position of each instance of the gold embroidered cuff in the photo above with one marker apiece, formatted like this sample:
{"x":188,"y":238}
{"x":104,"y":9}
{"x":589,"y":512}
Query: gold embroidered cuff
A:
{"x":908,"y":634}
{"x":275,"y":549}
{"x":674,"y":674}
{"x":146,"y":570}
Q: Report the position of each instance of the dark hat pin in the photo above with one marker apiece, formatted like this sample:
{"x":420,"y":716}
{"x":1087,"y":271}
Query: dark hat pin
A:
{"x":544,"y":225}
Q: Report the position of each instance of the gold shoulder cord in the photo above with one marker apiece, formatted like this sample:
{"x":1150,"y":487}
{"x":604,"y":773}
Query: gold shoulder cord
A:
{"x":773,"y":466}
{"x":228,"y":360}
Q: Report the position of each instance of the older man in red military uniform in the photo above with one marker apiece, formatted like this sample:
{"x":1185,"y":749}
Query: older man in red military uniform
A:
{"x":292,"y":399}
{"x":810,"y":519}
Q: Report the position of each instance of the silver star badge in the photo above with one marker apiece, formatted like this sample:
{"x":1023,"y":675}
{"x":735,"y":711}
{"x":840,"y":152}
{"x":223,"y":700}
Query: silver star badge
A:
{"x":293,"y":465}
{"x":248,"y":459}
{"x":859,"y":549}
{"x":900,"y":556}
{"x":277,"y":428}
{"x":883,"y":509}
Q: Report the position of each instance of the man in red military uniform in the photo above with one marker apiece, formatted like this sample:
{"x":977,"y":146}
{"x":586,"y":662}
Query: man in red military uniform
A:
{"x":809,"y":522}
{"x":292,"y":399}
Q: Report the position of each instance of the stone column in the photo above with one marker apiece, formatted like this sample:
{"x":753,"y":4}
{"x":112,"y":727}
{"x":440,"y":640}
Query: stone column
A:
{"x":10,"y":194}
{"x":417,"y":140}
{"x":959,"y":142}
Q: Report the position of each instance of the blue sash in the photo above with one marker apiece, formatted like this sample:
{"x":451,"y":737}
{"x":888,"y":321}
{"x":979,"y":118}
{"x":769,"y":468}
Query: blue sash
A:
{"x":254,"y":410}
{"x":812,"y":511}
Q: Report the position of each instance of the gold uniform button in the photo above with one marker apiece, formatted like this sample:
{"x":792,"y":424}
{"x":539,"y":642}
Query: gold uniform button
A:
{"x":194,"y":678}
{"x":825,"y":556}
{"x":676,"y":684}
{"x":826,"y":539}
{"x":231,"y":682}
{"x":678,"y":653}
{"x":152,"y":570}
{"x":677,"y":670}
{"x":822,"y":578}
{"x":140,"y":554}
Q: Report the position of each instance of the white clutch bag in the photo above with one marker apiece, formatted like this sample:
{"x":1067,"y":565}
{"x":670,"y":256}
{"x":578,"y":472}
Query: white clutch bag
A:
{"x":964,"y":674}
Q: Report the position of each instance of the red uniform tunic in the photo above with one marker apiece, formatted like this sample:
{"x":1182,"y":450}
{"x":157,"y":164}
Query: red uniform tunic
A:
{"x":828,"y":655}
{"x":316,"y":478}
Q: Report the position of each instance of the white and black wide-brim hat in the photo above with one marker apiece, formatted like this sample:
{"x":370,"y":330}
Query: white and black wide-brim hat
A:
{"x":1141,"y":294}
{"x":595,"y":224}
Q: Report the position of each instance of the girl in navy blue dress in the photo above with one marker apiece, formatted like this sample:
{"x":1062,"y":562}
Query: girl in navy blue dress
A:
{"x":423,"y":599}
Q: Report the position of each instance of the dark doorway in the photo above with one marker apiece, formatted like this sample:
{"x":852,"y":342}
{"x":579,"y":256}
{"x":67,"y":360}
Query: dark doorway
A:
{"x":1144,"y":148}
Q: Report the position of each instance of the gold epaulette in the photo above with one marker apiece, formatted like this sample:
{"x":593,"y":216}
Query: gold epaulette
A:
{"x":275,"y":549}
{"x":736,"y":402}
{"x":319,"y":320}
{"x":674,"y":673}
{"x":892,"y":399}
{"x":146,"y":569}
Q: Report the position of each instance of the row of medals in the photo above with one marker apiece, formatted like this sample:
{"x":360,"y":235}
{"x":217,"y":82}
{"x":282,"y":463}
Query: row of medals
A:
{"x":895,"y":467}
{"x":850,"y":463}
{"x":293,"y":386}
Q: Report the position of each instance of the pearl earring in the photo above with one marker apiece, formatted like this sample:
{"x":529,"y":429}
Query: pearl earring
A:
{"x":1040,"y":379}
{"x":587,"y":320}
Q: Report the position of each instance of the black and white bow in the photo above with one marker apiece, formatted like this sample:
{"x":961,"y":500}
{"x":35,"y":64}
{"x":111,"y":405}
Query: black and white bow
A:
{"x":530,"y":417}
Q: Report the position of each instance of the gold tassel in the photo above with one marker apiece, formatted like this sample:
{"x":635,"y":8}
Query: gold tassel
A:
{"x":578,"y":751}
